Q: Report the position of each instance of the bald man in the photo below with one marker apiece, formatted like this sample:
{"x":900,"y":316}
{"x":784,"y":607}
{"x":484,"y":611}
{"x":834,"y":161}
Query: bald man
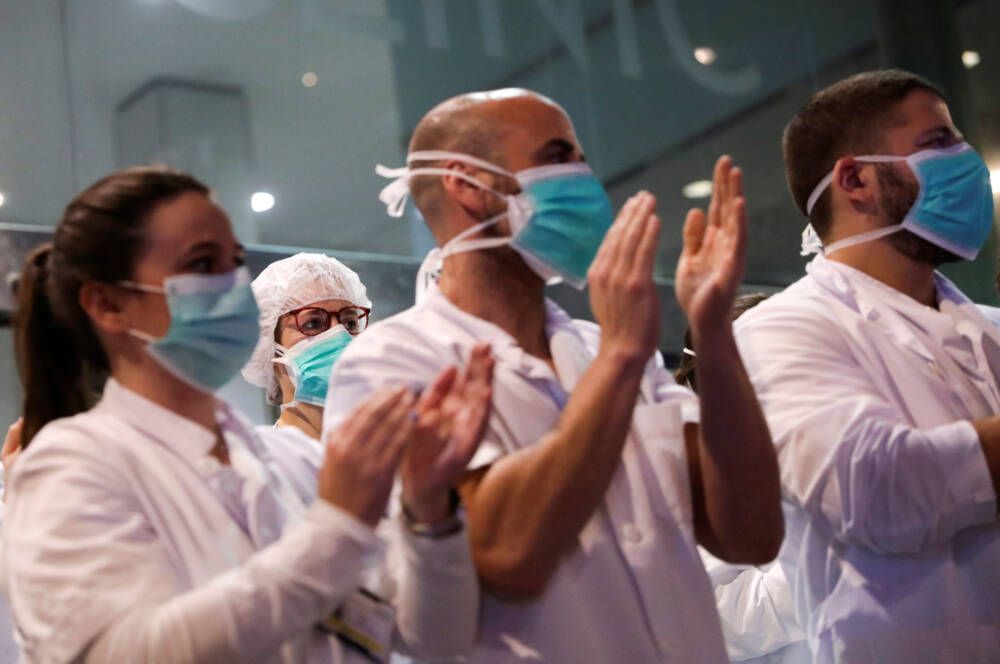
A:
{"x":595,"y":480}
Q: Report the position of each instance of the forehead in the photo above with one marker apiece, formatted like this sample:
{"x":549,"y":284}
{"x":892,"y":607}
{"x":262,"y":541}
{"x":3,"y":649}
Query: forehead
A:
{"x":919,"y":112}
{"x":185,"y":220}
{"x":531,"y":123}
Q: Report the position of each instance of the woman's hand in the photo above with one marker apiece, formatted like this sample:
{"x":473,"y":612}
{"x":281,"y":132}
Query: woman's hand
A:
{"x":453,"y":413}
{"x":363,"y":453}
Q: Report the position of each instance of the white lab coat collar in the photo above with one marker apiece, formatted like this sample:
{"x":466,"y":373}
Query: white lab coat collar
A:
{"x":187,"y":437}
{"x":558,"y":324}
{"x":869,"y":297}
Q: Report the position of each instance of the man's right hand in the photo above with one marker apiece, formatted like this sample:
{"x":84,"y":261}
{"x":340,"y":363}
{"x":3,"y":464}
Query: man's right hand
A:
{"x":363,"y":453}
{"x":623,"y":296}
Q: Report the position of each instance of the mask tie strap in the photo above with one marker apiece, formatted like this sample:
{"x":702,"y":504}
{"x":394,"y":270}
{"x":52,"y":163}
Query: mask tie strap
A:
{"x":394,"y":194}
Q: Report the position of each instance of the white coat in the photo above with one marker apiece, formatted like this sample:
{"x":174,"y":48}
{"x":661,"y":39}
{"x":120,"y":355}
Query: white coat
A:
{"x":892,"y":539}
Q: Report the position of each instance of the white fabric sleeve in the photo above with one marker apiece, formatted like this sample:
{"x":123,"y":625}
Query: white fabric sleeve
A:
{"x":437,"y":594}
{"x":755,"y":606}
{"x":87,"y":574}
{"x":848,"y":455}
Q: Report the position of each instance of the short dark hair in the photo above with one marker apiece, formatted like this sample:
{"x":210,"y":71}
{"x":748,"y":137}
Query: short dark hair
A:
{"x":846,"y":118}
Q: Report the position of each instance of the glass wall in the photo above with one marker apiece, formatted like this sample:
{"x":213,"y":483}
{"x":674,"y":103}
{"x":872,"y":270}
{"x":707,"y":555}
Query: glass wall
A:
{"x":285,"y":106}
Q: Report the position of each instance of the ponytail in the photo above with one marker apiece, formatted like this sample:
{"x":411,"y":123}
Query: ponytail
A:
{"x":60,"y":359}
{"x":48,"y":358}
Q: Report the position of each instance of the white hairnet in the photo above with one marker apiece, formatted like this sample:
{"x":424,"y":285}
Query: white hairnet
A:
{"x":286,"y":285}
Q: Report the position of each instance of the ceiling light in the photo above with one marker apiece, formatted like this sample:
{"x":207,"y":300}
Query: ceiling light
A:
{"x":698,"y":189}
{"x":994,"y":182}
{"x":310,"y":79}
{"x":261,"y":201}
{"x":4,"y":200}
{"x":970,"y":59}
{"x":704,"y":55}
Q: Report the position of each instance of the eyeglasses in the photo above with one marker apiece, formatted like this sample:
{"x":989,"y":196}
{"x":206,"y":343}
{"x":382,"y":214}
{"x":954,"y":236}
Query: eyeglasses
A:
{"x":311,"y":321}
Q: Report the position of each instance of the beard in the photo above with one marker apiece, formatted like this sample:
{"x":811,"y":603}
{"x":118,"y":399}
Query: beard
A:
{"x":898,"y":193}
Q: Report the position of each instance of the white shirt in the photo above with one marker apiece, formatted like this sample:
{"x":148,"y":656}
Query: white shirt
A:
{"x":8,"y":646}
{"x":122,"y":528}
{"x":891,"y":531}
{"x":634,"y":590}
{"x":757,"y":613}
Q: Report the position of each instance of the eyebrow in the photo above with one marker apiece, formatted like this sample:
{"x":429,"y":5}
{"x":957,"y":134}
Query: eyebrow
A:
{"x":557,"y":145}
{"x":943,"y":130}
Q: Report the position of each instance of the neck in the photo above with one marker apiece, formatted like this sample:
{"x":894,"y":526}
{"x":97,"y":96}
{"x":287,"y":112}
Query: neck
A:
{"x":306,"y":417}
{"x":143,"y":375}
{"x":880,"y":260}
{"x":496,"y":286}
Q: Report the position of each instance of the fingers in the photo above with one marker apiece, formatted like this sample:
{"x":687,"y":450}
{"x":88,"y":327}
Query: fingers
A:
{"x":737,"y":243}
{"x":367,"y":417}
{"x":480,"y":367}
{"x":720,"y":190}
{"x":622,"y":236}
{"x":389,"y":440}
{"x":633,"y":232}
{"x":694,"y":232}
{"x":435,"y":394}
{"x":645,"y":253}
{"x":607,"y":252}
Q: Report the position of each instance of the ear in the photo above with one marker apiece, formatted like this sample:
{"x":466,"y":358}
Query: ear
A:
{"x":476,"y":201}
{"x":103,"y":304}
{"x":856,"y":184}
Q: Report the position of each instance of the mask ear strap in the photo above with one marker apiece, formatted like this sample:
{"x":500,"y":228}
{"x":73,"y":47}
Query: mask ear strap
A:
{"x":867,"y":236}
{"x":142,"y":288}
{"x":828,"y":178}
{"x":459,"y":244}
{"x":394,"y":194}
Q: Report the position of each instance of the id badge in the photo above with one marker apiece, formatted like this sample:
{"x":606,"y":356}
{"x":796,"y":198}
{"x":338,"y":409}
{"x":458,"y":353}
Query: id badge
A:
{"x":365,"y":622}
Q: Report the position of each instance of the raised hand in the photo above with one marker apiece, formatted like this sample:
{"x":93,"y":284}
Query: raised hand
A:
{"x":363,"y":453}
{"x":452,"y":417}
{"x":713,"y":260}
{"x":622,"y":294}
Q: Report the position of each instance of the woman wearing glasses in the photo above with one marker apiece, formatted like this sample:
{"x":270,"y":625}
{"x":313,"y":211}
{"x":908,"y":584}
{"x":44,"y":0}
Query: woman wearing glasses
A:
{"x":311,"y":306}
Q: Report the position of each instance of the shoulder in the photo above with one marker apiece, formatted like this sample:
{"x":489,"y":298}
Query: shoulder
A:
{"x":803,"y":308}
{"x":413,"y":339}
{"x":87,"y":437}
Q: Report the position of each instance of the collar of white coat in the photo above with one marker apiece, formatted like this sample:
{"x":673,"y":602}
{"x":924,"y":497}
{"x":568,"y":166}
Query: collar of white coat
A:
{"x":559,"y":328}
{"x":190,"y":439}
{"x":869,"y":297}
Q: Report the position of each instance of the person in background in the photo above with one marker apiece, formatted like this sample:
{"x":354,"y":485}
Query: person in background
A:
{"x":157,"y":524}
{"x":879,"y":379}
{"x":311,"y":306}
{"x":754,"y":602}
{"x":595,"y":482}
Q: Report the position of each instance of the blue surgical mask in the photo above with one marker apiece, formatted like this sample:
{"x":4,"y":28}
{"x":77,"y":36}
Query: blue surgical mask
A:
{"x":310,"y":362}
{"x":558,"y":221}
{"x":213,"y":327}
{"x":953,"y":209}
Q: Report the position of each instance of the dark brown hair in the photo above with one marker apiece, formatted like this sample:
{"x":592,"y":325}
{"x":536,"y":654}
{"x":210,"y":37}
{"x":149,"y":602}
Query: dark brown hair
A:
{"x":59,"y":357}
{"x":846,"y":118}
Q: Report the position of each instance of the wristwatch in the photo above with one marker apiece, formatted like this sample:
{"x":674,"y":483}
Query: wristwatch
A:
{"x":450,"y":525}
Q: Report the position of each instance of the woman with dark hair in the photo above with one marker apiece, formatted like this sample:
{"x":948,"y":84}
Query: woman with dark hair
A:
{"x":148,"y":521}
